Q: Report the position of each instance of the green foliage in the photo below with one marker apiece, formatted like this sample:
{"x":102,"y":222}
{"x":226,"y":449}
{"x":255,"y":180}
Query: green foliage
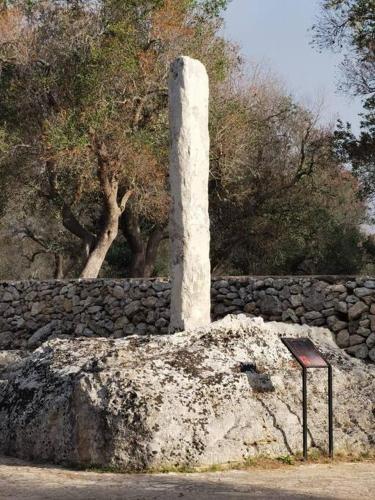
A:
{"x":212,"y":7}
{"x":348,"y":26}
{"x":360,"y":153}
{"x":75,"y":81}
{"x":281,"y":203}
{"x":287,"y":459}
{"x":350,"y":22}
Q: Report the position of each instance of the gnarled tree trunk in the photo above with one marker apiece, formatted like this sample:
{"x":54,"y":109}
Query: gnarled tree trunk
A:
{"x":59,"y":269}
{"x":96,"y":246}
{"x":103,"y":244}
{"x":143,"y":253}
{"x":112,"y":212}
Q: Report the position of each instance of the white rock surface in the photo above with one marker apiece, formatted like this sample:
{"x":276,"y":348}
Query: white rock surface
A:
{"x":148,"y":402}
{"x":189,"y":220}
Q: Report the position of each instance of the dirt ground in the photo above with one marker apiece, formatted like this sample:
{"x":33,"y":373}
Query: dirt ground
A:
{"x":349,"y":481}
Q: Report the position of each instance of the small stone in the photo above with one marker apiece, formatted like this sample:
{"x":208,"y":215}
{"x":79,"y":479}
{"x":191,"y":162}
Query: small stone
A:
{"x":118,"y":292}
{"x":360,"y":351}
{"x":367,"y":300}
{"x":296,"y":300}
{"x":150,"y":318}
{"x":121,"y":322}
{"x":341,"y":307}
{"x":285,"y":293}
{"x":149,"y":301}
{"x":328,"y":312}
{"x":270,"y":305}
{"x":278,"y":283}
{"x":7,"y":297}
{"x":160,"y":286}
{"x":371,"y":354}
{"x":96,"y":328}
{"x":289,"y":315}
{"x":141,"y":328}
{"x":87,"y":333}
{"x":356,"y":310}
{"x":129,"y":329}
{"x":353,"y":327}
{"x":68,"y":305}
{"x":144,"y":286}
{"x":19,"y":322}
{"x":363,"y":292}
{"x":311,"y":315}
{"x":351,"y":299}
{"x":339,"y":325}
{"x":40,"y":335}
{"x":300,"y":311}
{"x":37,"y":308}
{"x":258,"y":284}
{"x":356,"y":339}
{"x":364,"y":332}
{"x":79,"y":329}
{"x":219,"y":309}
{"x":314,"y":301}
{"x":139,"y":317}
{"x":6,"y":340}
{"x":220,"y":284}
{"x":337,"y":288}
{"x":342,"y":338}
{"x":161,"y":322}
{"x":365,"y":323}
{"x":371,"y":341}
{"x":94,"y":309}
{"x":132,"y":308}
{"x":331,"y":320}
{"x":249,"y":308}
{"x":369,"y":284}
{"x":317,"y":322}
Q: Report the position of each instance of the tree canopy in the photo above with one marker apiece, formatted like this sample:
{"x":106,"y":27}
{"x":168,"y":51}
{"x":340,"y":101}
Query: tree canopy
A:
{"x":348,"y":26}
{"x":84,"y":147}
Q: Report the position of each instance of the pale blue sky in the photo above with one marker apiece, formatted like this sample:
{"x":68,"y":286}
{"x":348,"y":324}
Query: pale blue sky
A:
{"x":278,"y":34}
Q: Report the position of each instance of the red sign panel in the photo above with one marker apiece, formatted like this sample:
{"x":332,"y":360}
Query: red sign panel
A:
{"x":305,"y":352}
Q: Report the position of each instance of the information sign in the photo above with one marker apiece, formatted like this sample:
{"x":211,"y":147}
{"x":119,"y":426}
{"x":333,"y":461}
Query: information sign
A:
{"x":308,"y":356}
{"x":305,"y":352}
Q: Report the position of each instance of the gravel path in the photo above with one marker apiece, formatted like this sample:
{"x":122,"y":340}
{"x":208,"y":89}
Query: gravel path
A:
{"x":349,"y":481}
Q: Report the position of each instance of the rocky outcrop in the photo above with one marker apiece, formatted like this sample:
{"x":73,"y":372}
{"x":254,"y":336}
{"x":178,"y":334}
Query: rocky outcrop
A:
{"x":208,"y":396}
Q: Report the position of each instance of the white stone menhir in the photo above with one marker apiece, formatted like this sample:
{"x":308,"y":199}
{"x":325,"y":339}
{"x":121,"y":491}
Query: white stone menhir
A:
{"x":189,"y":220}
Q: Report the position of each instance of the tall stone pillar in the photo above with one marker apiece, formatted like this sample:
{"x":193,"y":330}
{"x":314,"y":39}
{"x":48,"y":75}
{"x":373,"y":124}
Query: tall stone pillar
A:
{"x":189,"y":220}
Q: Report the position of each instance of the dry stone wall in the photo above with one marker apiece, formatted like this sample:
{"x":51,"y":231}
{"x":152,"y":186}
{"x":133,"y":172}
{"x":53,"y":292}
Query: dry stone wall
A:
{"x":34,"y":311}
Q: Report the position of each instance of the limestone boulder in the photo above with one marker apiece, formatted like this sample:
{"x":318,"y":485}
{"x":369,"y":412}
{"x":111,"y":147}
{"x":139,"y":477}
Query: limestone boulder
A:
{"x":208,"y":396}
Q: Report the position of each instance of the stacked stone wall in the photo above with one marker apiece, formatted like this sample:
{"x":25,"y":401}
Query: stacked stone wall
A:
{"x":34,"y":311}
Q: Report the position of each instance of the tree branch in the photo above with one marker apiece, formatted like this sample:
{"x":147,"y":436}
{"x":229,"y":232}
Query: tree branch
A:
{"x":125,"y":199}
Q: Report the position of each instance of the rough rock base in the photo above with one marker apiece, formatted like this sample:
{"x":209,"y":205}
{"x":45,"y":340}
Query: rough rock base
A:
{"x":149,"y":402}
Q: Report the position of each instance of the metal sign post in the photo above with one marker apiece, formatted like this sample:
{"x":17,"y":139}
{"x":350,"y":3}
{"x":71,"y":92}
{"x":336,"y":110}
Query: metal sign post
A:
{"x":308,"y":356}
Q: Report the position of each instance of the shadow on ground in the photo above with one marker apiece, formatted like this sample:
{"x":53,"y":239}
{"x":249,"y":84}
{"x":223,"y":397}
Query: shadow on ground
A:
{"x":21,"y":481}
